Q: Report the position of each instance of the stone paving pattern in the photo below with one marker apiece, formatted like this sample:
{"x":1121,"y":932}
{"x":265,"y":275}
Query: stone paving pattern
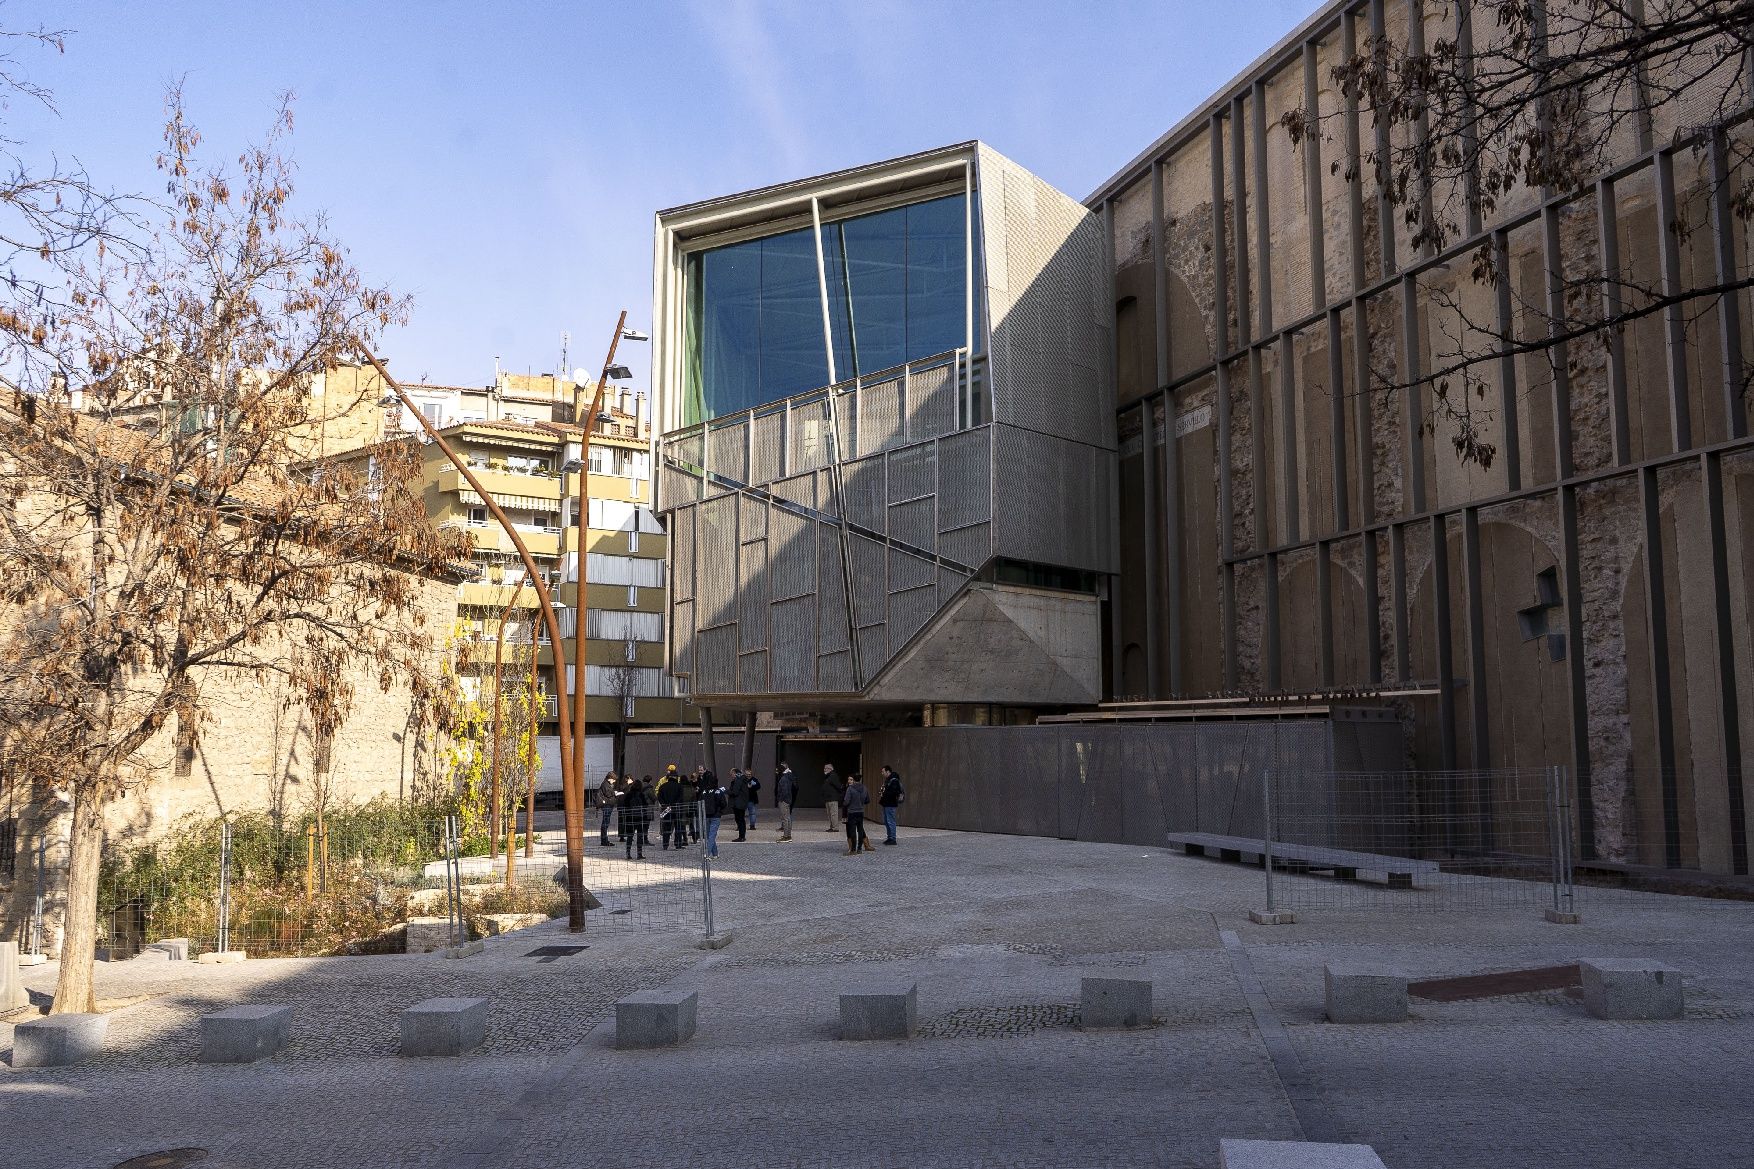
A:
{"x":996,"y":931}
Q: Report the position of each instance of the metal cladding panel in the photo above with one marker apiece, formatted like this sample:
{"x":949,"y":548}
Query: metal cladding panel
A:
{"x":793,"y":656}
{"x":870,"y":581}
{"x":863,"y":482}
{"x":1048,"y":305}
{"x":1058,"y":496}
{"x":880,"y":415}
{"x":910,"y":610}
{"x":682,"y":637}
{"x":715,"y":666}
{"x":752,"y":596}
{"x":912,"y":472}
{"x":792,"y":549}
{"x":831,"y":610}
{"x":751,"y":518}
{"x":931,"y":402}
{"x":949,"y":583}
{"x":728,"y":452}
{"x":846,"y":417}
{"x":681,"y":554}
{"x":676,"y":487}
{"x":752,"y":672}
{"x":808,"y":440}
{"x":971,"y":545}
{"x":834,"y":672}
{"x":911,"y":523}
{"x":965,"y":479}
{"x":799,"y":489}
{"x":907,"y":571}
{"x":768,"y":447}
{"x":716,"y":560}
{"x":873,"y":651}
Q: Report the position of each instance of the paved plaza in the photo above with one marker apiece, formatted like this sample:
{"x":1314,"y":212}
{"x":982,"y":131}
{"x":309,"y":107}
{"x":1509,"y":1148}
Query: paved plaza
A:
{"x":996,"y":931}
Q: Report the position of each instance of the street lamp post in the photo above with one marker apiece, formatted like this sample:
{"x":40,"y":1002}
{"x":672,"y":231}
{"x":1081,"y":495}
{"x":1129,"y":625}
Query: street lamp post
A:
{"x":572,"y":786}
{"x":581,"y":523}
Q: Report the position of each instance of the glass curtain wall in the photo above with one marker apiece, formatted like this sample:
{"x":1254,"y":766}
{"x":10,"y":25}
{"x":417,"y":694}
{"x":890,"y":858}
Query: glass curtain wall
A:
{"x":896,"y":293}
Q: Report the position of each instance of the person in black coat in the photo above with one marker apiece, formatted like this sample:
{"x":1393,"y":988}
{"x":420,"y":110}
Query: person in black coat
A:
{"x":889,"y":798}
{"x":634,"y":808}
{"x":740,"y":802}
{"x":670,"y":805}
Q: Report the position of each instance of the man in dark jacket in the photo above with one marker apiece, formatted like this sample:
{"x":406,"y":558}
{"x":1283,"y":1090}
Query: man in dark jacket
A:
{"x":670,"y":801}
{"x":633,"y":818}
{"x":833,"y":788}
{"x":606,"y":800}
{"x":754,"y":782}
{"x":889,"y":799}
{"x":712,"y":803}
{"x":691,"y":790}
{"x":785,"y":791}
{"x":740,"y":803}
{"x":855,"y":797}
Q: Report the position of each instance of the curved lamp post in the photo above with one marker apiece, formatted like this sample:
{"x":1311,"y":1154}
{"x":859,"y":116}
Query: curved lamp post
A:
{"x":572,"y":789}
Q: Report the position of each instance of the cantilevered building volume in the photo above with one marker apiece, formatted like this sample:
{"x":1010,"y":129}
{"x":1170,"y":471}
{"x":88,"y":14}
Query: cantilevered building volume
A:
{"x":888,"y":421}
{"x":941,"y":445}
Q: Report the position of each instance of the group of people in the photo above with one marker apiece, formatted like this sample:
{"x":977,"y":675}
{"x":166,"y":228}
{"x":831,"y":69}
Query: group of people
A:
{"x":689,"y":806}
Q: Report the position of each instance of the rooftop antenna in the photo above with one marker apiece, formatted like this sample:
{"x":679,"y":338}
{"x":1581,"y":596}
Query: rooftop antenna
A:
{"x":565,"y":342}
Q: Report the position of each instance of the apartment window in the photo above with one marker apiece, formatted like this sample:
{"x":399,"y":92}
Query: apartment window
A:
{"x":478,"y":516}
{"x":632,"y":595}
{"x":633,"y":540}
{"x":627,"y":707}
{"x":631,"y":652}
{"x":625,"y":570}
{"x":434,"y":411}
{"x":618,"y":625}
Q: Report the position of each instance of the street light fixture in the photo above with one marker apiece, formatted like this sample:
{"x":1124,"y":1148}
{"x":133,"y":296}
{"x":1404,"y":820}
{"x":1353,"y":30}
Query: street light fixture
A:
{"x":618,"y":373}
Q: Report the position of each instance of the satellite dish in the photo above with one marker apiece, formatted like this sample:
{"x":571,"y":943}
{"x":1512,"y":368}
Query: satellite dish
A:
{"x":581,"y":375}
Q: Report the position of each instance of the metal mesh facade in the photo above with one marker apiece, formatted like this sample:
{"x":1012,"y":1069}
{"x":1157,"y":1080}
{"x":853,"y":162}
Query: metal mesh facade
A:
{"x":824,"y":532}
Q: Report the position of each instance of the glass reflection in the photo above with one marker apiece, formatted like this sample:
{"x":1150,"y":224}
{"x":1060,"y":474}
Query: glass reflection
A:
{"x":895,"y":290}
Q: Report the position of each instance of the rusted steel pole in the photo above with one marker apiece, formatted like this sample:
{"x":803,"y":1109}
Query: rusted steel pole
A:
{"x":572,"y":791}
{"x":581,"y":524}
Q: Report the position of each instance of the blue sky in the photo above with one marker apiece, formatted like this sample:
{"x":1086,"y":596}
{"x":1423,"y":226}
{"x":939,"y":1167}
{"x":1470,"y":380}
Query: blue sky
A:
{"x":502,"y":162}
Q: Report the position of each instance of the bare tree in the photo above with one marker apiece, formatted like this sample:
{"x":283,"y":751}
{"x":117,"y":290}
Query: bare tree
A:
{"x":1516,"y":100}
{"x":622,"y":684}
{"x":159,"y":525}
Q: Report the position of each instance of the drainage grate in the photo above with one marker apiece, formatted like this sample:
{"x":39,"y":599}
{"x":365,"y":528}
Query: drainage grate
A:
{"x":554,"y":953}
{"x":169,"y":1159}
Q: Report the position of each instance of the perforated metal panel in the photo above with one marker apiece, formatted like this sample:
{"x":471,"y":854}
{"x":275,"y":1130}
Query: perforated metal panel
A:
{"x":793,"y":552}
{"x":681,"y":553}
{"x":909,"y":611}
{"x":948,"y":585}
{"x":1058,"y":497}
{"x":717,"y":552}
{"x":964,"y":479}
{"x":715,"y":667}
{"x":847,"y":419}
{"x":728,"y":453}
{"x":752,"y":596}
{"x":908,"y":572}
{"x":834,"y":672}
{"x":913,"y":472}
{"x":682,"y":636}
{"x":971,"y":545}
{"x":752,"y":672}
{"x":831,"y":612}
{"x":931,"y":403}
{"x":879,"y":416}
{"x":873,"y":651}
{"x":911,"y":523}
{"x":866,"y":491}
{"x":769,"y":446}
{"x":808,"y":439}
{"x":870,"y":581}
{"x":800,"y":489}
{"x":793,"y":656}
{"x":751,"y":518}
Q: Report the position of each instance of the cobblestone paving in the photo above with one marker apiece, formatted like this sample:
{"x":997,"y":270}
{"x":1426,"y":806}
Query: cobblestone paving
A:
{"x":995,"y":932}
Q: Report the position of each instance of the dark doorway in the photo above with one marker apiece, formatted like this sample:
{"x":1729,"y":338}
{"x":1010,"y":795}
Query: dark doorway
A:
{"x":807,"y":755}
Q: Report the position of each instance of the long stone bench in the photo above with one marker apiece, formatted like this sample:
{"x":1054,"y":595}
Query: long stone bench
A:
{"x":1295,"y":1155}
{"x":444,"y":1026}
{"x":245,"y":1034}
{"x":1342,"y":862}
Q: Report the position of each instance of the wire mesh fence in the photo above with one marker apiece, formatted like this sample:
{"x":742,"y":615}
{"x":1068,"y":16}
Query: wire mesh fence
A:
{"x":384,"y":880}
{"x":1499,"y":839}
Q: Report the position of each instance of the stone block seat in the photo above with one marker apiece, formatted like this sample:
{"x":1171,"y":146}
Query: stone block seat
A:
{"x":58,"y":1040}
{"x":1108,"y":1001}
{"x":655,"y":1018}
{"x":1398,"y":871}
{"x":1359,"y":993}
{"x":1632,"y":988}
{"x":880,"y":1010}
{"x":245,"y":1034}
{"x":444,"y":1026}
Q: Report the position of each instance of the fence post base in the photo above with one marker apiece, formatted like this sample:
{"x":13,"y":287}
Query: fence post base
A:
{"x":1272,"y":917}
{"x":1560,"y":917}
{"x":714,"y":941}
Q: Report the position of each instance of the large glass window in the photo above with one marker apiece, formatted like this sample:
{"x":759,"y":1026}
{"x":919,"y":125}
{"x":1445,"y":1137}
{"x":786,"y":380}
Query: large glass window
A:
{"x":896,"y":293}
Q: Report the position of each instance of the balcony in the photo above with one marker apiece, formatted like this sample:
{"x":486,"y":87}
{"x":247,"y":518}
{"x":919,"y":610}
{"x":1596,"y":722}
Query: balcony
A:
{"x":539,"y":487}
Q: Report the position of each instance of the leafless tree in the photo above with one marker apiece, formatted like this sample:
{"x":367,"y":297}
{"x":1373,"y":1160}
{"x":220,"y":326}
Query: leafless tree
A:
{"x":159,"y":524}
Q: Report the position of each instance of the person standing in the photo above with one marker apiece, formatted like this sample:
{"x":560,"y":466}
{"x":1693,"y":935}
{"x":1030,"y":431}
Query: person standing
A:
{"x":754,"y":782}
{"x":785,"y":791}
{"x":740,"y":803}
{"x":645,"y":825}
{"x":670,"y":815}
{"x":633,"y":816}
{"x":854,"y":799}
{"x":691,"y":804}
{"x":606,"y":802}
{"x":889,"y":799}
{"x":833,"y":787}
{"x":713,"y":801}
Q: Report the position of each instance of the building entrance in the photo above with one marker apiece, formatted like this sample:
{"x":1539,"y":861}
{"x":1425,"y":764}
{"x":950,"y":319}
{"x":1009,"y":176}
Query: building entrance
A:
{"x":807,"y":754}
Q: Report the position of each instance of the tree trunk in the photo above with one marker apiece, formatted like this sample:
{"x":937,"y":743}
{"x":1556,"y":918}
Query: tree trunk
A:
{"x":75,"y":991}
